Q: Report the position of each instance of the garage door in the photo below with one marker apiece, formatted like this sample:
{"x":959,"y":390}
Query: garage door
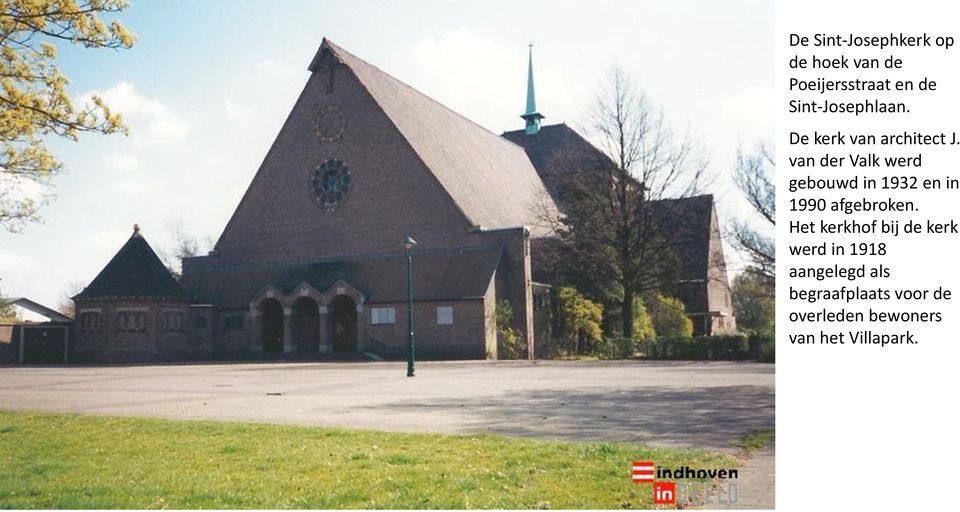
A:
{"x":44,"y":344}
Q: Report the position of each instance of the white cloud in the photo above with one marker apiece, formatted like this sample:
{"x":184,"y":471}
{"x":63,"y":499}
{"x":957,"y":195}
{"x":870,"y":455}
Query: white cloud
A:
{"x":136,"y":188}
{"x":237,"y":113}
{"x":123,"y":162}
{"x":11,"y":263}
{"x":107,"y":241}
{"x":273,"y":68}
{"x":151,"y":121}
{"x":133,"y":180}
{"x":755,"y":104}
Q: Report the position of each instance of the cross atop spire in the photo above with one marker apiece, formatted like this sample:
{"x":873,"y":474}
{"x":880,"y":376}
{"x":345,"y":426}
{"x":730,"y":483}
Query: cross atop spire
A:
{"x":531,"y":116}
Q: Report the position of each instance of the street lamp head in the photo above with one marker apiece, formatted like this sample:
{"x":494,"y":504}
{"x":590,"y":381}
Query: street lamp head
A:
{"x":408,"y":243}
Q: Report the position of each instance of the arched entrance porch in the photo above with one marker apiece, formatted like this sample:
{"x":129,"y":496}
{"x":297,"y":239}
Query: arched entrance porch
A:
{"x":343,"y":324}
{"x":272,"y":330}
{"x":306,"y":325}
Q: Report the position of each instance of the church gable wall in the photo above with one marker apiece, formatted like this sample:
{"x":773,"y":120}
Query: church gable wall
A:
{"x":391,"y":193}
{"x":719,"y":295}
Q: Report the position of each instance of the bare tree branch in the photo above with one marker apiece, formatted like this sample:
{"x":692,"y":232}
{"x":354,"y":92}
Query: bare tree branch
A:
{"x":619,"y":234}
{"x":754,"y":175}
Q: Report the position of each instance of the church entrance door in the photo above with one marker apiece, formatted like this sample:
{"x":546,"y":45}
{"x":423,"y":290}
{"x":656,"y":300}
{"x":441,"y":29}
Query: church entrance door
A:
{"x":344,"y":324}
{"x":306,"y":325}
{"x":272,"y":326}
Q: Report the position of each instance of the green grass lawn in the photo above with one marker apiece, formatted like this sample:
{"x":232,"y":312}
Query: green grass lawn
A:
{"x":73,"y":461}
{"x":755,"y":440}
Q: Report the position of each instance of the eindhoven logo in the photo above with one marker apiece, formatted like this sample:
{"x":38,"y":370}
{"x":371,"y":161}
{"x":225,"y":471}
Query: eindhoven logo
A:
{"x":667,"y":492}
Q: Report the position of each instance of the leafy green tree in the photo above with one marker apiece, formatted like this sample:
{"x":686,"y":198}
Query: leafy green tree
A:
{"x":34,"y":102}
{"x":753,"y":302}
{"x":580,"y":320}
{"x":669,"y":317}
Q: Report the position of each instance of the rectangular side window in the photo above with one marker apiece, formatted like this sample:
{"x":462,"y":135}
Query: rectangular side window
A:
{"x":233,"y":322}
{"x":383,"y":316}
{"x":445,"y":315}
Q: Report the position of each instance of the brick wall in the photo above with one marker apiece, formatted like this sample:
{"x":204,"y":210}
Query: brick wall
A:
{"x":392,"y":193}
{"x":465,"y":338}
{"x":111,"y":342}
{"x":513,"y":278}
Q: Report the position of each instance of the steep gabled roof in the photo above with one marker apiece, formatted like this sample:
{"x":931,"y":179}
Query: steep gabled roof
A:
{"x":135,"y":271}
{"x":490,"y":179}
{"x":687,"y":222}
{"x":691,"y":225}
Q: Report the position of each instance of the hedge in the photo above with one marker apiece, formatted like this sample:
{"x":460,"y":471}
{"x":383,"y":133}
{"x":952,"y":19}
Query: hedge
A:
{"x":713,"y":348}
{"x":616,"y":348}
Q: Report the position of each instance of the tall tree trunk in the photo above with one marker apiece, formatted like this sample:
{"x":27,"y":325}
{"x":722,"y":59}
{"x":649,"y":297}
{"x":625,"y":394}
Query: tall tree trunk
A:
{"x":609,"y":321}
{"x":627,"y":312}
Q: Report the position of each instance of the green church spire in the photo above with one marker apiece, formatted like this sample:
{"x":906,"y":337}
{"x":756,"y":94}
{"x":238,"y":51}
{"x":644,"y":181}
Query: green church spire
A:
{"x":532,"y":117}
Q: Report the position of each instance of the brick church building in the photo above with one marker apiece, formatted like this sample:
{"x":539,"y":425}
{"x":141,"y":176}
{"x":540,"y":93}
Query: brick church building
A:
{"x":312,"y":259}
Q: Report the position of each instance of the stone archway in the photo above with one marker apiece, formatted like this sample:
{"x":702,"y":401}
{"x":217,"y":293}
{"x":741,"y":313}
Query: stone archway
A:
{"x":306,"y":325}
{"x":343,"y":324}
{"x":272,"y":330}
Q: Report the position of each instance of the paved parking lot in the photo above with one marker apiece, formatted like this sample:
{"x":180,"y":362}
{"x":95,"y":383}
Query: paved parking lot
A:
{"x":706,"y":405}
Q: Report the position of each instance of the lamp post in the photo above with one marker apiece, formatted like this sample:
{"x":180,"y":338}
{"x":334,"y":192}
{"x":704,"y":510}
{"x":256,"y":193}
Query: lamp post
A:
{"x":408,"y":244}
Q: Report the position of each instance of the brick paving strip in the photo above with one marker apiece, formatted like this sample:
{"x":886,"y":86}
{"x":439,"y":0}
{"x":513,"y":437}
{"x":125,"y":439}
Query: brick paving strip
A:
{"x":755,"y":483}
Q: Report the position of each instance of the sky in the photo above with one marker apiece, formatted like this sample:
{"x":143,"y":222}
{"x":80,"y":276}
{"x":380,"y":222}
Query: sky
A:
{"x":208,"y":85}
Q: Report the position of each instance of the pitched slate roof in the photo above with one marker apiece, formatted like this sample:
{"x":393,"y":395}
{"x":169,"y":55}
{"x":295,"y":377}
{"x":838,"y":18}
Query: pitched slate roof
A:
{"x":439,"y":275}
{"x":559,"y":149}
{"x":561,"y":156}
{"x":490,"y":179}
{"x":135,"y":271}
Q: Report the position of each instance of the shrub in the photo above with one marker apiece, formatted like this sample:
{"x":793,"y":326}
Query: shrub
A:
{"x":674,"y":347}
{"x":764,"y":346}
{"x":766,"y":352}
{"x":616,"y":348}
{"x":642,"y":323}
{"x":669,"y":317}
{"x":722,"y":348}
{"x":510,"y":343}
{"x":753,"y":302}
{"x":579,"y":322}
{"x":729,"y":347}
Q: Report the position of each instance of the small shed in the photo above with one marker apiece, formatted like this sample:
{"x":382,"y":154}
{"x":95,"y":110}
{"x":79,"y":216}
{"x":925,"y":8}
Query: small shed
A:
{"x":35,"y":342}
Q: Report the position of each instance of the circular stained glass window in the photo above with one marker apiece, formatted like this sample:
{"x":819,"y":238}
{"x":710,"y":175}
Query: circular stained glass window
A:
{"x":330,"y":183}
